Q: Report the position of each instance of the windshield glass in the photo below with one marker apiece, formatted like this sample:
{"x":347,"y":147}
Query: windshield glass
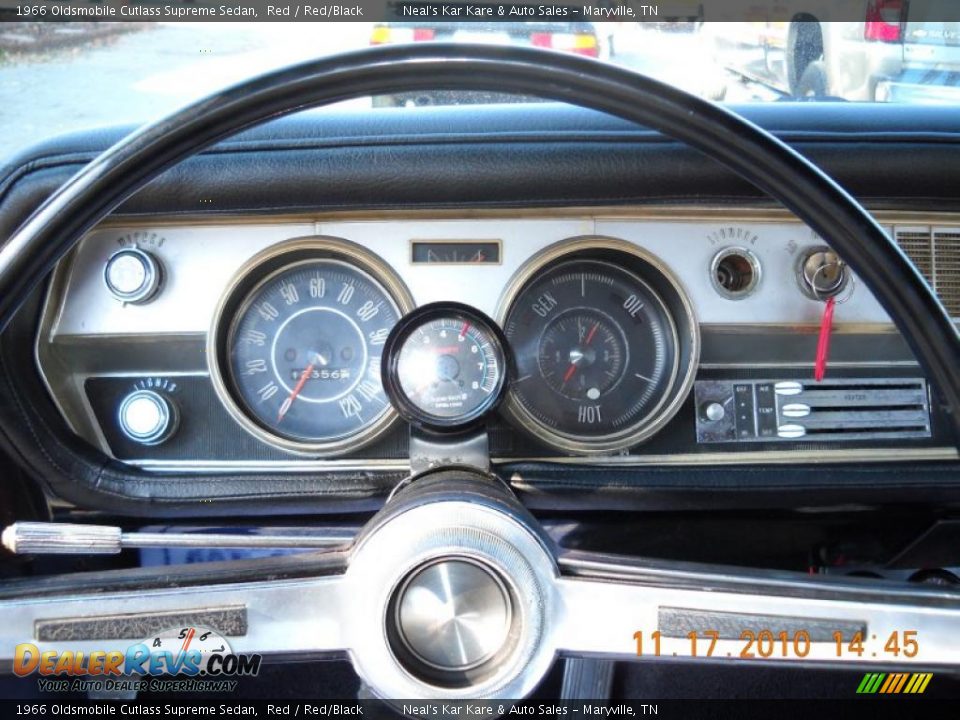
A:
{"x":65,"y":70}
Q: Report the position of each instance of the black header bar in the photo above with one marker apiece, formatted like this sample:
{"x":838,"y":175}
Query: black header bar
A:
{"x":413,"y":11}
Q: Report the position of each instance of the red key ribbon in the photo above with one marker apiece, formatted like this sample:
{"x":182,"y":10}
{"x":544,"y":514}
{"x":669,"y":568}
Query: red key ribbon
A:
{"x":823,"y":342}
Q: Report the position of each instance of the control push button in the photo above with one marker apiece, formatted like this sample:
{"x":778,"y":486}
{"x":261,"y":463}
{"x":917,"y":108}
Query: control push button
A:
{"x":132,"y":276}
{"x":713,"y":411}
{"x":147,"y":417}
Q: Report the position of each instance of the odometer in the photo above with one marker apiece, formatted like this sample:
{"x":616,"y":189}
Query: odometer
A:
{"x":302,"y":354}
{"x":597,"y":353}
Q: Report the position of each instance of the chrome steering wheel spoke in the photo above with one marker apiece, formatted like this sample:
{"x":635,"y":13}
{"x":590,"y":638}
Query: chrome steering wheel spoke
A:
{"x":453,"y":591}
{"x":291,"y":617}
{"x":634,"y":609}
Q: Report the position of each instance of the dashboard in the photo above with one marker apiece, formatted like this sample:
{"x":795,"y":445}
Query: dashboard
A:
{"x":644,"y":336}
{"x":538,"y":347}
{"x":133,"y":382}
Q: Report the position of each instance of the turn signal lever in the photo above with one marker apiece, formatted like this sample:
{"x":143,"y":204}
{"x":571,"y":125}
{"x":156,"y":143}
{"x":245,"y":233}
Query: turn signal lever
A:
{"x":39,"y":538}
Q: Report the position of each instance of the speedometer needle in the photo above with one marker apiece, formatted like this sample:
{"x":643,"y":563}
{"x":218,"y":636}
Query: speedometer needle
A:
{"x":298,"y":387}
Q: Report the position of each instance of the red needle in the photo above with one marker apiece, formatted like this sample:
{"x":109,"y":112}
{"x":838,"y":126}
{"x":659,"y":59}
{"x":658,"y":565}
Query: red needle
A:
{"x":296,"y":391}
{"x":186,"y":641}
{"x":573,"y":366}
{"x":593,"y":331}
{"x":463,"y":330}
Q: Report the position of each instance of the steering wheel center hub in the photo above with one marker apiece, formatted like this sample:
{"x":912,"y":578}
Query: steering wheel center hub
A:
{"x":465,"y":589}
{"x":454,"y":614}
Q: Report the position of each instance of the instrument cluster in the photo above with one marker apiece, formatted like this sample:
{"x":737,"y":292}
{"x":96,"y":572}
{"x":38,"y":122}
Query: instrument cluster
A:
{"x":283,"y":346}
{"x":313,"y":349}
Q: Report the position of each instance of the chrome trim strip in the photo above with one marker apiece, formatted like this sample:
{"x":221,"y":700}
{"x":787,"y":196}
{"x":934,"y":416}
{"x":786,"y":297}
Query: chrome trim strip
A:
{"x":833,"y":364}
{"x":764,"y":457}
{"x":706,"y":213}
{"x":664,"y":574}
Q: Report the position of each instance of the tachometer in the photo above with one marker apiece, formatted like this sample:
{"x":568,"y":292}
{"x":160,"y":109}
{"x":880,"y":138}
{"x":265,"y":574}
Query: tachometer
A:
{"x":445,"y":366}
{"x":300,"y":356}
{"x":598,"y":351}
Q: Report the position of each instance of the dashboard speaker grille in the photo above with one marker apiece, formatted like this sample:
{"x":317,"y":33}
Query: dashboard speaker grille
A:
{"x":936,"y":254}
{"x":946,"y":267}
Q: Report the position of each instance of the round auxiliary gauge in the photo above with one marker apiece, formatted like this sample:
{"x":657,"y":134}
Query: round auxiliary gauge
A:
{"x":605,"y":346}
{"x":445,"y":366}
{"x":296,"y":345}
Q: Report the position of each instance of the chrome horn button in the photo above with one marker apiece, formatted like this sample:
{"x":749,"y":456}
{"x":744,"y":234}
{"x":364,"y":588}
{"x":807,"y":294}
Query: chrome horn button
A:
{"x":464,"y":589}
{"x":454,"y":614}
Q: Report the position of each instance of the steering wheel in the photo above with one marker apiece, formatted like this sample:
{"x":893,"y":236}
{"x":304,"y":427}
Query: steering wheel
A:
{"x":462,"y":532}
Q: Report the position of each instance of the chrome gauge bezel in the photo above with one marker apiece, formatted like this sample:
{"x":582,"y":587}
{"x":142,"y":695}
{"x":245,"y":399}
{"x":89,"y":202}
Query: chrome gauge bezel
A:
{"x":254,"y":274}
{"x":685,"y":331}
{"x":402,"y":331}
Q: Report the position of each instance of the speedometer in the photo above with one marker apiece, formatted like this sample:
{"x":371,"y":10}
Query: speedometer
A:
{"x":299,"y":356}
{"x":598,"y":351}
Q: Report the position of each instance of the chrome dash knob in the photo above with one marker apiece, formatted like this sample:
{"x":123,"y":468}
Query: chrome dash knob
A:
{"x":147,"y":417}
{"x":133,"y":275}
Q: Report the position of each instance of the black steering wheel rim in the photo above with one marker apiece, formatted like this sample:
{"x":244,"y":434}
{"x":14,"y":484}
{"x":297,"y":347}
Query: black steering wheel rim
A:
{"x":55,"y":227}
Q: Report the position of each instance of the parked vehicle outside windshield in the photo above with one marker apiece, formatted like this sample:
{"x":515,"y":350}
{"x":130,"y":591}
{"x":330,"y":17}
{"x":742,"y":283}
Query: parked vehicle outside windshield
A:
{"x":67,"y":76}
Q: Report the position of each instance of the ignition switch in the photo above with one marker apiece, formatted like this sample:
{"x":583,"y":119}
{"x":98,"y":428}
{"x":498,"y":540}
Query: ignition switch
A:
{"x":822,"y":273}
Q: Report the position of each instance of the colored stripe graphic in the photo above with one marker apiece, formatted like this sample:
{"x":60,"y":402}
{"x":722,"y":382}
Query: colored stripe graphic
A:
{"x":903,"y":681}
{"x":890,"y":682}
{"x":870,"y":683}
{"x":894,"y":683}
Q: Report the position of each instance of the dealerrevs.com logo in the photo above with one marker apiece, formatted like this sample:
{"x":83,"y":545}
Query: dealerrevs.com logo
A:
{"x":189,"y":652}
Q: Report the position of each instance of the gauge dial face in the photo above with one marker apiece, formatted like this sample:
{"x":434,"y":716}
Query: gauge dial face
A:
{"x":596,"y":353}
{"x":195,"y":645}
{"x":448,"y":366}
{"x":305,"y":350}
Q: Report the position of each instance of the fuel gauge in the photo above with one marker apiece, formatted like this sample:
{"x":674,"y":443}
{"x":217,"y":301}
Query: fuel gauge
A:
{"x":445,"y":366}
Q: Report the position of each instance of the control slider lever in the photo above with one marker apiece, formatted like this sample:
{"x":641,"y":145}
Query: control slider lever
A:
{"x":42,"y":538}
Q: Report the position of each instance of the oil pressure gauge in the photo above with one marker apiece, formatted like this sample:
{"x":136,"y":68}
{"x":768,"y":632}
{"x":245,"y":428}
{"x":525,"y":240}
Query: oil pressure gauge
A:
{"x":445,"y":366}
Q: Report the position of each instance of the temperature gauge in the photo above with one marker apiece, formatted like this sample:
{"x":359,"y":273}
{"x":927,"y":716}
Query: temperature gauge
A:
{"x":445,"y":366}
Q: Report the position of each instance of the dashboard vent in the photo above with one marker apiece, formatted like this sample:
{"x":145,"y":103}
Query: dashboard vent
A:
{"x":936,"y":253}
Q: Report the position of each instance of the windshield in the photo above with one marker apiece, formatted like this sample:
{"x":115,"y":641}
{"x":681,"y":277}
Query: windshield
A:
{"x":63,"y":70}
